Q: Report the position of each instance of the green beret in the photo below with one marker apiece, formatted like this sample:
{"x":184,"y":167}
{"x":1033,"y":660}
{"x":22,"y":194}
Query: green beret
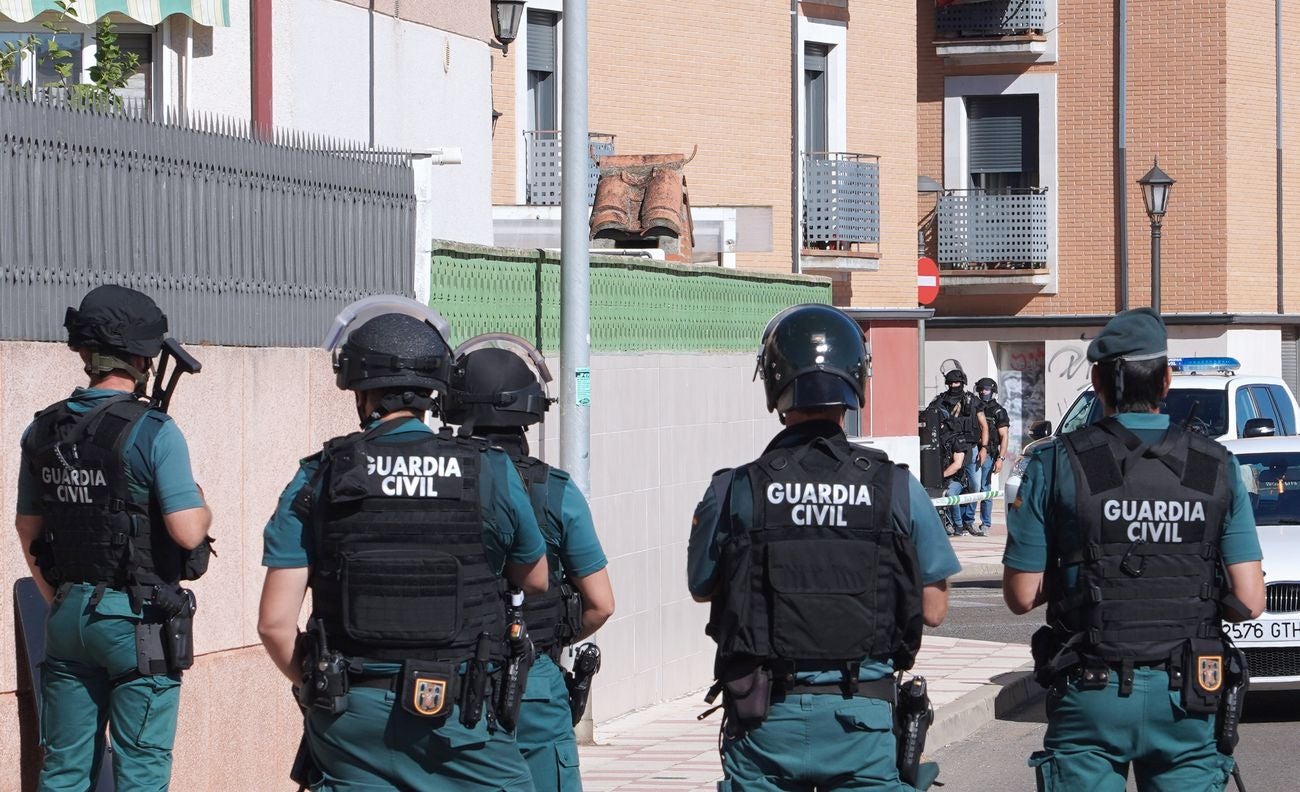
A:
{"x":1138,"y":334}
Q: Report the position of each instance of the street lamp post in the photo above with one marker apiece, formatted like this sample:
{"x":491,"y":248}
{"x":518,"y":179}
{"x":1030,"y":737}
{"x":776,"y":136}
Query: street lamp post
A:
{"x":1156,"y":186}
{"x":506,"y":15}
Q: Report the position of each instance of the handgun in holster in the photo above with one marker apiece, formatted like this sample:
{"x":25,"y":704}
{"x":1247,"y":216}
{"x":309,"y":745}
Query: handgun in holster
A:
{"x":912,"y":718}
{"x":586,"y":664}
{"x":520,"y":655}
{"x":324,"y":673}
{"x":1236,"y":683}
{"x":178,"y":606}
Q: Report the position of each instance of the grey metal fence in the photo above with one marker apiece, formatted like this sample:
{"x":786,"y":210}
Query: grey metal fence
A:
{"x":542,"y":155}
{"x":242,"y":239}
{"x":992,"y":18}
{"x":841,"y":199}
{"x":1006,"y":229}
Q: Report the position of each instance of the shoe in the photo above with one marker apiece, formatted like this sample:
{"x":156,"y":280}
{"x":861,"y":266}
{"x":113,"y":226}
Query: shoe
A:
{"x":981,"y":532}
{"x":969,"y":528}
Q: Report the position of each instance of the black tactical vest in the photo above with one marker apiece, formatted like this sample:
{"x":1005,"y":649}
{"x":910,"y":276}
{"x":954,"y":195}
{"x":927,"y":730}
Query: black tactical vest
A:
{"x":822,"y":574}
{"x":1149,"y":518}
{"x":92,"y":531}
{"x":547,"y":616}
{"x":400,"y":570}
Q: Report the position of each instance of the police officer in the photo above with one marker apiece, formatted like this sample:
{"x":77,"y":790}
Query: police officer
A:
{"x":953,"y":450}
{"x":1138,"y":537}
{"x":497,"y":390}
{"x":971,"y":432}
{"x":401,"y":535}
{"x":997,"y":421}
{"x":820,"y":560}
{"x":111,"y":520}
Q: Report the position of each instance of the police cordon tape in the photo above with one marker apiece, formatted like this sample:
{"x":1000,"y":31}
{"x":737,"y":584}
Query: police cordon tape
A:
{"x":970,"y":497}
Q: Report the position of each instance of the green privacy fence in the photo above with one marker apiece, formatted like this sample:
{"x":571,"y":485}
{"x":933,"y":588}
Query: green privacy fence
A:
{"x":637,"y":305}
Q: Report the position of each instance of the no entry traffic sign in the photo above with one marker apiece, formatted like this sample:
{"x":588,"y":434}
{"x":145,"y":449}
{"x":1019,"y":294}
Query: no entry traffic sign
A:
{"x":927,"y":280}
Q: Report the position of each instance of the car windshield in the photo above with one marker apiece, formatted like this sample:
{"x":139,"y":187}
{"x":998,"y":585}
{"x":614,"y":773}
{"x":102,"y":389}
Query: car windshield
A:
{"x":1210,"y":418}
{"x":1273,"y":482}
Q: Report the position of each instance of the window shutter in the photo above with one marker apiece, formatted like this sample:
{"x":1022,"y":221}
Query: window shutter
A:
{"x":1291,"y":358}
{"x":1001,"y":133}
{"x":814,"y":56}
{"x":543,"y":49}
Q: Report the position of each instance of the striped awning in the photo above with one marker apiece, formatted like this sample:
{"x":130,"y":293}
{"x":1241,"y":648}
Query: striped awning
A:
{"x":213,"y":13}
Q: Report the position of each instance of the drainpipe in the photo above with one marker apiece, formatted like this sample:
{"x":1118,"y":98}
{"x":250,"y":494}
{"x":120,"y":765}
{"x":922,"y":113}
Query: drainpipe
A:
{"x":263,"y":76}
{"x":1121,"y":148}
{"x":370,"y":17}
{"x":796,"y":163}
{"x":1277,"y":79}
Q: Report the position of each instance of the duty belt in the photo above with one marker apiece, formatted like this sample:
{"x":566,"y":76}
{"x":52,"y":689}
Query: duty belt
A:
{"x":881,"y":689}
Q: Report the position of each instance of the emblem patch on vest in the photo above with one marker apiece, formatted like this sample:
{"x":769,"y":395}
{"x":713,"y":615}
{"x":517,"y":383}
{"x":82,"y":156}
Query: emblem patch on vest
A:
{"x":1209,"y":672}
{"x":429,"y":696}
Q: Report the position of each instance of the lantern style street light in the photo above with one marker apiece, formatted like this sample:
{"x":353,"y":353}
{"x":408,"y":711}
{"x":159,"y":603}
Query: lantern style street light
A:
{"x":506,"y":15}
{"x":1156,"y":186}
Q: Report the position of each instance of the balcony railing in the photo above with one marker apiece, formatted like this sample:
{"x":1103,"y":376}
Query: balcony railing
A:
{"x":544,"y":170}
{"x":993,"y":230}
{"x":991,"y":18}
{"x":841,"y":200}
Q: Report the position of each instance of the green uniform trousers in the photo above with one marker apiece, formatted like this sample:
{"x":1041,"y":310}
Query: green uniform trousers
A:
{"x":377,"y":745}
{"x":818,"y":742}
{"x":545,"y":732}
{"x":86,"y":647}
{"x":1094,"y":735}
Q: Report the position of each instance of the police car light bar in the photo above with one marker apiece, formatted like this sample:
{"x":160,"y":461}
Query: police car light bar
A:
{"x":1195,"y":365}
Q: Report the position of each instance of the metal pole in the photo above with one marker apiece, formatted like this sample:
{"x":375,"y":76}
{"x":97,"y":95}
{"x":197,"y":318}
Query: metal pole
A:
{"x":1121,"y":147}
{"x":1155,"y":265}
{"x":796,"y":161}
{"x":575,"y":259}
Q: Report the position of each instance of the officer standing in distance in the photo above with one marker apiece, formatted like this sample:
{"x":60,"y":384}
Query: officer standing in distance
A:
{"x":953,"y":460}
{"x":853,"y":560}
{"x":401,"y":534}
{"x":1139,"y":538}
{"x":973,"y":430}
{"x":998,"y":422}
{"x":497,"y":390}
{"x":110,"y":520}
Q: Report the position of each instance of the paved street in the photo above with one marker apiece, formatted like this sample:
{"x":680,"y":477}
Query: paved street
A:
{"x":995,"y":757}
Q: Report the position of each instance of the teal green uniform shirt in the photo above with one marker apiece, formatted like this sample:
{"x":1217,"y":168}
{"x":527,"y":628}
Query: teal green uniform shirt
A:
{"x":510,"y":531}
{"x":157,"y":461}
{"x":934,"y":553}
{"x":571,"y":539}
{"x":1049,"y":466}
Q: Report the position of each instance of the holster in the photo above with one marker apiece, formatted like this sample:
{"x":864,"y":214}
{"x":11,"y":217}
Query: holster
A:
{"x":150,"y":654}
{"x":913,"y":715}
{"x":178,"y":635}
{"x":473,"y":691}
{"x":1232,"y":702}
{"x":304,"y":772}
{"x":746,"y":693}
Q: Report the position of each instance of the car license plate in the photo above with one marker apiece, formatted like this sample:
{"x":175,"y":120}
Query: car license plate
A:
{"x":1265,"y":632}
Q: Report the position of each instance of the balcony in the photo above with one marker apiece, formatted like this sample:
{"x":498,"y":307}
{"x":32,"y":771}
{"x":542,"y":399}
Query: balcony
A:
{"x":992,"y":31}
{"x":995,"y":239}
{"x":544,"y":174}
{"x":841,"y":211}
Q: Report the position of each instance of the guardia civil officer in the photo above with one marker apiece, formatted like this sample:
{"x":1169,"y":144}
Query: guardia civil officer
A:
{"x":971,"y":430}
{"x":111,"y":520}
{"x":821,"y":560}
{"x":401,"y":534}
{"x":998,"y":423}
{"x":497,"y":390}
{"x":1139,"y":538}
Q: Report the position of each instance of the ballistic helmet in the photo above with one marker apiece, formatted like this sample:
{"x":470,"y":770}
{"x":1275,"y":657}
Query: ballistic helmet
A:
{"x":393,"y":350}
{"x":497,"y":380}
{"x":986,"y":382}
{"x":955,"y":375}
{"x":813,"y":355}
{"x":117,"y":321}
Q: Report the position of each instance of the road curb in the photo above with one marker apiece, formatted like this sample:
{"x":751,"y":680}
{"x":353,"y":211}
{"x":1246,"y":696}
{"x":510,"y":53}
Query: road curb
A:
{"x":962,"y":718}
{"x":978,"y":572}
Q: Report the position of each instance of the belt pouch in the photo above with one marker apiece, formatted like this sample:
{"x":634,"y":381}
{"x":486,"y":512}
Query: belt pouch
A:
{"x":748,"y":691}
{"x":150,"y":655}
{"x":1204,"y":675}
{"x":427,"y":689}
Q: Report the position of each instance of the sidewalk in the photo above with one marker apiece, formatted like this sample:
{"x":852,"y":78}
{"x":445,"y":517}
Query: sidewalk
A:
{"x":666,"y":748}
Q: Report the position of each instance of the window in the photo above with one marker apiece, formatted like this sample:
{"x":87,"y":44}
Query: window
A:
{"x":816,"y":134}
{"x":1002,"y":141}
{"x":543,"y":70}
{"x":81,"y":44}
{"x":1264,"y":403}
{"x":1282,"y":402}
{"x":1245,"y":409}
{"x":1080,"y":414}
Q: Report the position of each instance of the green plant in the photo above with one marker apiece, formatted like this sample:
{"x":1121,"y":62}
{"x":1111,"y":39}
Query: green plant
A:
{"x":112,"y":68}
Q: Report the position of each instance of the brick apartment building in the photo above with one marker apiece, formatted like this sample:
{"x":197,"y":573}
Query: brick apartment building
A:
{"x":735,"y":83}
{"x":1018,"y":123}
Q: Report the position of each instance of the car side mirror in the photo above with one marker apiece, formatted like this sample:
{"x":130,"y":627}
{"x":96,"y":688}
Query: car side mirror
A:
{"x":1259,"y":427}
{"x":1043,"y":429}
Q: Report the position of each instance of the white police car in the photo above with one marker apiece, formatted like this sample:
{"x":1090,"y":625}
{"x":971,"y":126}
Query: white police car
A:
{"x":1270,"y":467}
{"x":1205,"y":393}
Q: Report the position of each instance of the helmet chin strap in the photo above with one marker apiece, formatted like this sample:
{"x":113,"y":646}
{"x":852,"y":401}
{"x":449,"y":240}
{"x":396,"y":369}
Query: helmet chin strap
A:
{"x":101,"y":363}
{"x":395,"y":402}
